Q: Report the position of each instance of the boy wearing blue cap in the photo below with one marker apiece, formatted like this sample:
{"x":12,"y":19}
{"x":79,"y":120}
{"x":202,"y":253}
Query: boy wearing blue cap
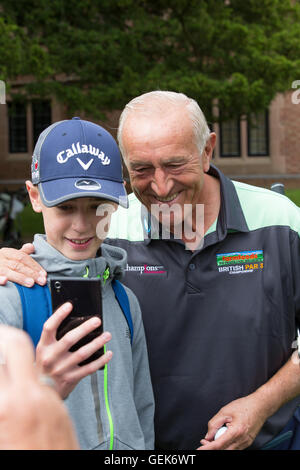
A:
{"x":76,"y":181}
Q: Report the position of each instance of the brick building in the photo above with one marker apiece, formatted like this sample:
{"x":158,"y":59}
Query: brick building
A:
{"x":261,"y":152}
{"x":265,"y":150}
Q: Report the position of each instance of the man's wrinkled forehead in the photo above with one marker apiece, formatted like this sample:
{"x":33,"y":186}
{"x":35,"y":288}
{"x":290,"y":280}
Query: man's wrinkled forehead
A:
{"x":149,"y":128}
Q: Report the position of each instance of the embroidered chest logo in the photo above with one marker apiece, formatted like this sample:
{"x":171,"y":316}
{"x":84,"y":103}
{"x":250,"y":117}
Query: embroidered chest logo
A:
{"x":240,"y":262}
{"x":146,"y":269}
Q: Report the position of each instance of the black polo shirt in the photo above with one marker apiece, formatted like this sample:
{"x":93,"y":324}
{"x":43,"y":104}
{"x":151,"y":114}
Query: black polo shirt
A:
{"x":219,"y":321}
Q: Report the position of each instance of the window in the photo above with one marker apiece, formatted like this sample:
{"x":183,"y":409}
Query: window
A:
{"x":41,"y":117}
{"x":243,"y":138}
{"x":230,"y":139}
{"x":258,"y":134}
{"x":26,"y":120}
{"x":17,"y":118}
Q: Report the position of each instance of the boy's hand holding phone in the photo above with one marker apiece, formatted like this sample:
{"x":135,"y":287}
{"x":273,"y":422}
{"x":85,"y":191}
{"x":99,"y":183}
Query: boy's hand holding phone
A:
{"x":86,"y":298}
{"x":53,"y":357}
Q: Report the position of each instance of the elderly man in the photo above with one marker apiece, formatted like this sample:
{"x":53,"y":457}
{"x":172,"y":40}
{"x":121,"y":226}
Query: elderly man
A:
{"x":216,"y":270}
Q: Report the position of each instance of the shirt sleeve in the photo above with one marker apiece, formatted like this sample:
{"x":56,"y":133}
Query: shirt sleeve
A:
{"x":10,"y":306}
{"x":296,"y":275}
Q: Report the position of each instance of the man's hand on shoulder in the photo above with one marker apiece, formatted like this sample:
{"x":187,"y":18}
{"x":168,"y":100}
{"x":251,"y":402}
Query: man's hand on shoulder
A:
{"x":18,"y":266}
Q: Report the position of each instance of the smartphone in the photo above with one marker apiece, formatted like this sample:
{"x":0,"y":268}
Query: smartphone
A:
{"x":86,"y":298}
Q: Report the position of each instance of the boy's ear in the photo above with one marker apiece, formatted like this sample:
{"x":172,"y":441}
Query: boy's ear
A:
{"x":34,"y":196}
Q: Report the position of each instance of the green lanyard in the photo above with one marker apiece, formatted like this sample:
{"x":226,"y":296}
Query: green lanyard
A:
{"x":105,"y":276}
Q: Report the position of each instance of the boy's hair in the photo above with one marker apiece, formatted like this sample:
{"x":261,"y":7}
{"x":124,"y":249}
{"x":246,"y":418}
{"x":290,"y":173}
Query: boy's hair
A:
{"x":76,"y":158}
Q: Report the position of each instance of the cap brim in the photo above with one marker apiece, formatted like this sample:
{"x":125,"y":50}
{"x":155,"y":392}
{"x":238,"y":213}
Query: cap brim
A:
{"x":56,"y":191}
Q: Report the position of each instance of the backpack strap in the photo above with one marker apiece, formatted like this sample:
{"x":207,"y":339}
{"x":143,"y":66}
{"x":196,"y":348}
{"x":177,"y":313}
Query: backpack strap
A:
{"x":37,"y":308}
{"x":122,"y":298}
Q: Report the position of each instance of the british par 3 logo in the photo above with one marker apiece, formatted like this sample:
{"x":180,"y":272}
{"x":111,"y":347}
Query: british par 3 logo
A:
{"x":240,"y":262}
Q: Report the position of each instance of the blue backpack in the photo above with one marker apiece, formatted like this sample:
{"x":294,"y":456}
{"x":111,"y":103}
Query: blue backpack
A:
{"x":37,"y":308}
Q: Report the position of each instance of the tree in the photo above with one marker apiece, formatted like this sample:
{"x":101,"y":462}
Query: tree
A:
{"x":98,"y":54}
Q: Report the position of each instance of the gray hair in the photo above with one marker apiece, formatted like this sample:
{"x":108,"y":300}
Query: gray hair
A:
{"x":158,"y":100}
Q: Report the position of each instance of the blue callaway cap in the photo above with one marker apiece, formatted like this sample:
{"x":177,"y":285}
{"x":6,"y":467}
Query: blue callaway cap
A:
{"x":76,"y":158}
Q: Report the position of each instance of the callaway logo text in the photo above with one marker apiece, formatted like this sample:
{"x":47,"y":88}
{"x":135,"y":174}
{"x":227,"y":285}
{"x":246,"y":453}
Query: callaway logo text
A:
{"x":64,"y":155}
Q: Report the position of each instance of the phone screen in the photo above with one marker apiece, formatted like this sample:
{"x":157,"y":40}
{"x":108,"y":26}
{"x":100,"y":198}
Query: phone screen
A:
{"x":86,"y":297}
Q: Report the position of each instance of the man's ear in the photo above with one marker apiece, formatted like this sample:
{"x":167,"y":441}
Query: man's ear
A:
{"x":34,"y":196}
{"x":208,"y":151}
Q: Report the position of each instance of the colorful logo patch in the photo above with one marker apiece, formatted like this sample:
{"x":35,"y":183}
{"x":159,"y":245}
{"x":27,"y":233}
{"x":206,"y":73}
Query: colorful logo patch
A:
{"x":35,"y":168}
{"x":240,"y":261}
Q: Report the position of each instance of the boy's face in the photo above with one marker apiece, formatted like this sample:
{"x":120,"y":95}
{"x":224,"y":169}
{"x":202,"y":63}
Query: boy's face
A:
{"x":73,"y":227}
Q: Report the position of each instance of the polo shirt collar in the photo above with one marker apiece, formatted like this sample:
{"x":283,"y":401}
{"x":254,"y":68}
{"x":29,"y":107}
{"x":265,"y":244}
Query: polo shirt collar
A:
{"x":230,"y":217}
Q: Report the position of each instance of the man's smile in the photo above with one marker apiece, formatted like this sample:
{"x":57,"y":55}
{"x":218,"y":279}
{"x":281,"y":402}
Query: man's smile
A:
{"x":170,"y":198}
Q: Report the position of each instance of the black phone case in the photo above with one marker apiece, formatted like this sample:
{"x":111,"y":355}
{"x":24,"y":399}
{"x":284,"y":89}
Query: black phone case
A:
{"x":86,"y":298}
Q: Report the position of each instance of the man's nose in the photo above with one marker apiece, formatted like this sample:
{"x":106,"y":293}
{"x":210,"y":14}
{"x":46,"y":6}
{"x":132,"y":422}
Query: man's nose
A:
{"x":161,"y":184}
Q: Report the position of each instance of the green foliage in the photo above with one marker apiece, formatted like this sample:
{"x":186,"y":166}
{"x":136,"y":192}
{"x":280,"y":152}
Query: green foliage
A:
{"x":240,"y":52}
{"x":294,"y":195}
{"x":30,"y":223}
